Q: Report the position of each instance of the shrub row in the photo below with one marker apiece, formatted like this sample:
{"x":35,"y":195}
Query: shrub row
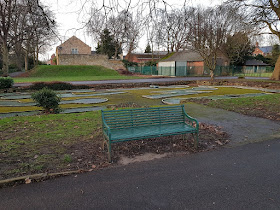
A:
{"x":56,"y":86}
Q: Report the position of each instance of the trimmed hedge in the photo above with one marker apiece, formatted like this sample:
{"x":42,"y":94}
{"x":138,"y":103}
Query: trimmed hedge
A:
{"x":56,"y":86}
{"x":6,"y":82}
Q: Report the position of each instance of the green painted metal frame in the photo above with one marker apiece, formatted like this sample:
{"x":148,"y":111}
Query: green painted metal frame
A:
{"x":187,"y":120}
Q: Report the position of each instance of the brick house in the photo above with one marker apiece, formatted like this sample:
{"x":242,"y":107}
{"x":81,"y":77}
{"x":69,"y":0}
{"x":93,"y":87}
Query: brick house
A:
{"x":52,"y":60}
{"x":75,"y":52}
{"x":264,"y":51}
{"x":72,"y":46}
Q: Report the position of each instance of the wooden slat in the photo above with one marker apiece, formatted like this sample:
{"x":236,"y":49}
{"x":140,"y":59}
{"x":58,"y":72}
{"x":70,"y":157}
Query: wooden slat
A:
{"x":143,"y":116}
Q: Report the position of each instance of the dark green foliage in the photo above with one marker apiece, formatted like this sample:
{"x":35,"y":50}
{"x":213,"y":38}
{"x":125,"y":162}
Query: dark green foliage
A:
{"x":151,"y":63}
{"x":107,"y":45}
{"x":127,"y":63}
{"x":148,"y":49}
{"x":47,"y":99}
{"x":56,"y":86}
{"x":263,"y":59}
{"x":238,"y":48}
{"x":6,"y":82}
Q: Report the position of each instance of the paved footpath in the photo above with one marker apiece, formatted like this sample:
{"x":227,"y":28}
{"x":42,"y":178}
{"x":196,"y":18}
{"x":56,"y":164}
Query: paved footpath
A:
{"x":150,"y":80}
{"x":241,"y":128}
{"x":244,"y":177}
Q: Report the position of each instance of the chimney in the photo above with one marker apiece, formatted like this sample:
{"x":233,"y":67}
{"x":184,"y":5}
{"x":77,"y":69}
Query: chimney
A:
{"x":257,"y":44}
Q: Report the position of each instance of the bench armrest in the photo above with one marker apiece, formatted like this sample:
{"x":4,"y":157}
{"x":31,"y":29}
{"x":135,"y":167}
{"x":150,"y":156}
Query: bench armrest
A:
{"x":106,"y":129}
{"x":191,"y":121}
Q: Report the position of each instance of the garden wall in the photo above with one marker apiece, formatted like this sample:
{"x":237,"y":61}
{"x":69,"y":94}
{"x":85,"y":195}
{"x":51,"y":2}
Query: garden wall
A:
{"x":91,"y":60}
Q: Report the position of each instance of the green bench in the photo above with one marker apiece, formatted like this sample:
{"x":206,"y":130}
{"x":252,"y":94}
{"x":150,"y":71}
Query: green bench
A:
{"x":143,"y":123}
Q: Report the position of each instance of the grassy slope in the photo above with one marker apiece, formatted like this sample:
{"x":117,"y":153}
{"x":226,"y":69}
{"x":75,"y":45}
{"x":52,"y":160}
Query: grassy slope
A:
{"x":71,"y":73}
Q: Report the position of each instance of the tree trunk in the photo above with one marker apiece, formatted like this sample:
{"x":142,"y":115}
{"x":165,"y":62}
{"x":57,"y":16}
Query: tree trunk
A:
{"x":37,"y":56}
{"x":212,"y":74}
{"x":276,"y":72}
{"x":26,"y":62}
{"x":116,"y":53}
{"x":5,"y":54}
{"x":34,"y":58}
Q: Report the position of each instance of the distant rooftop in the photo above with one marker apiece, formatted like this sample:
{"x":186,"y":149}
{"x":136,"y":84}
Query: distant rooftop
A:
{"x":266,"y":49}
{"x":184,"y":56}
{"x":255,"y":62}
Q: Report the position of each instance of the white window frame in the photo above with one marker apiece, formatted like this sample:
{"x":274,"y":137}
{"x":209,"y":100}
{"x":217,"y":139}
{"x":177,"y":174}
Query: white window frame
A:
{"x":74,"y":51}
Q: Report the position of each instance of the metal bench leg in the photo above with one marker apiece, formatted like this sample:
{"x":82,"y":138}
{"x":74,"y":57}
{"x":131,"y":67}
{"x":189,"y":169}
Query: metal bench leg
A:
{"x":196,"y":141}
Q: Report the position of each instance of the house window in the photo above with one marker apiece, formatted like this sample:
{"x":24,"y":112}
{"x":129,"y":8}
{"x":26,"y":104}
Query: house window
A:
{"x":74,"y":51}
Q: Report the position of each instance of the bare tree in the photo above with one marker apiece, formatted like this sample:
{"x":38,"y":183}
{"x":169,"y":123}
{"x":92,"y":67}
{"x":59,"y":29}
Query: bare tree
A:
{"x":17,"y":26}
{"x":7,"y":9}
{"x":209,"y":29}
{"x":124,"y":26}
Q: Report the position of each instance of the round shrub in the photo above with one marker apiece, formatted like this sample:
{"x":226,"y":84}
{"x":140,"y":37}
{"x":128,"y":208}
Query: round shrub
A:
{"x":47,"y":99}
{"x":6,"y":82}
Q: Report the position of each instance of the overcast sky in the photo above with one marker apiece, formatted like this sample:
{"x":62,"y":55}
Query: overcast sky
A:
{"x":70,"y":16}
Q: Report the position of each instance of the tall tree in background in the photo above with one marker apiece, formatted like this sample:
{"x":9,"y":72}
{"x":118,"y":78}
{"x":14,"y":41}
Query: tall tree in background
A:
{"x":123,"y":26}
{"x":209,"y":29}
{"x":19,"y":21}
{"x":148,"y":49}
{"x":7,"y":11}
{"x":106,"y":45}
{"x":238,"y":48}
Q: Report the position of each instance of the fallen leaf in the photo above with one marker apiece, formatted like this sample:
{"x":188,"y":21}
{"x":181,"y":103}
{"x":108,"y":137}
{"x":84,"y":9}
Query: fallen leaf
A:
{"x":218,"y":142}
{"x":27,"y":180}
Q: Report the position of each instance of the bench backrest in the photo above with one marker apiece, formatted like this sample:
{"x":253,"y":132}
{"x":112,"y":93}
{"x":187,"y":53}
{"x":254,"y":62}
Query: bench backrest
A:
{"x":118,"y":119}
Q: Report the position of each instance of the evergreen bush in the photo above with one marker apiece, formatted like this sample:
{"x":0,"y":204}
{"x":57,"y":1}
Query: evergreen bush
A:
{"x":6,"y":82}
{"x":47,"y":99}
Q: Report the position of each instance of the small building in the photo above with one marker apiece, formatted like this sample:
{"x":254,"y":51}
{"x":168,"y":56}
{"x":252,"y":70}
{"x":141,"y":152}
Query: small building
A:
{"x":142,"y":58}
{"x":186,"y":63}
{"x":254,"y":66}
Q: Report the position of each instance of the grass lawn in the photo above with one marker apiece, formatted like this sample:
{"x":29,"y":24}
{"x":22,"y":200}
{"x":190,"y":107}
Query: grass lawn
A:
{"x":46,"y":73}
{"x":47,"y":142}
{"x":267,"y":106}
{"x":255,"y":75}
